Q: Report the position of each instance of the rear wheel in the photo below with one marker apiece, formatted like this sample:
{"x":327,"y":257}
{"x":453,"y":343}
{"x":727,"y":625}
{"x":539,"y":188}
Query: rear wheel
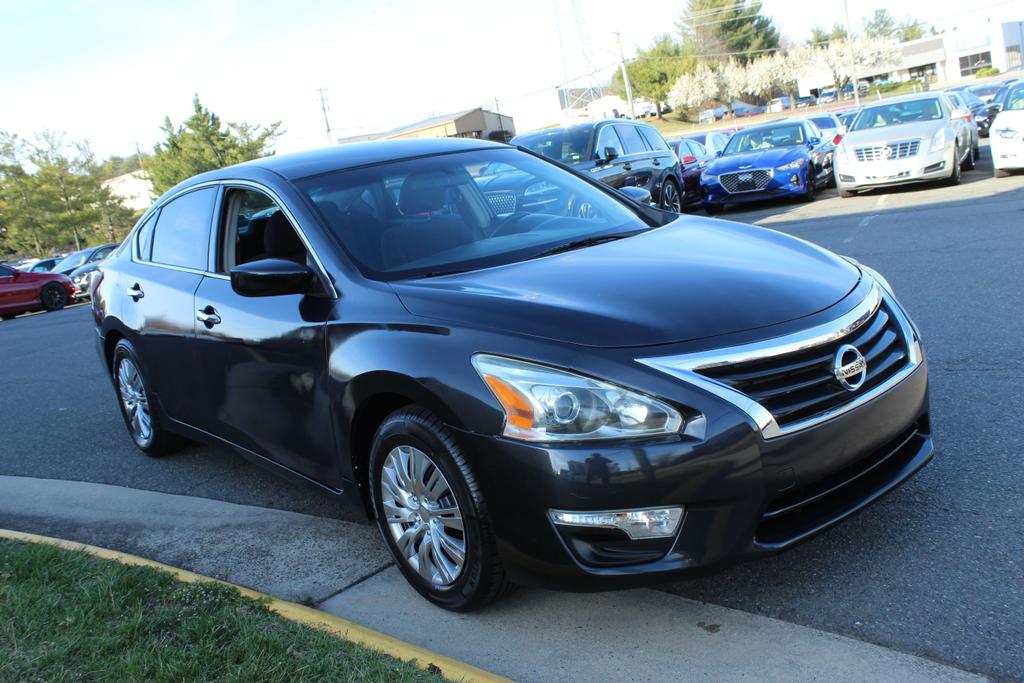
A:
{"x":140,"y":416}
{"x":671,"y":199}
{"x":969,"y":161}
{"x":53,"y":297}
{"x":431,"y":513}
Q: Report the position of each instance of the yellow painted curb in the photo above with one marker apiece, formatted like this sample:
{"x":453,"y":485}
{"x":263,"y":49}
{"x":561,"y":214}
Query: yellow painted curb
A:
{"x":348,"y":630}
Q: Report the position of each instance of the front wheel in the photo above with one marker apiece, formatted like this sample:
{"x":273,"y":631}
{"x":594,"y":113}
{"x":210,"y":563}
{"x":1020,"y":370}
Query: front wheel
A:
{"x":808,"y":196}
{"x":53,"y":297}
{"x":431,"y":513}
{"x":954,"y":176}
{"x":969,"y":161}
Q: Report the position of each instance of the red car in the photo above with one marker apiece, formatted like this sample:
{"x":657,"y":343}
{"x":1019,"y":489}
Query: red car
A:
{"x":21,"y":291}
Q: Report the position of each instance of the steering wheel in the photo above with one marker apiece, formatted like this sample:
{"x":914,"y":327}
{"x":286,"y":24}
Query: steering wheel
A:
{"x":509,"y":223}
{"x":578,"y":207}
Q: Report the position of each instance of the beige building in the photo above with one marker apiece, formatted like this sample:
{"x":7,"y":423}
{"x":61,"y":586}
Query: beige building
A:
{"x":134,"y":190}
{"x":472,"y":123}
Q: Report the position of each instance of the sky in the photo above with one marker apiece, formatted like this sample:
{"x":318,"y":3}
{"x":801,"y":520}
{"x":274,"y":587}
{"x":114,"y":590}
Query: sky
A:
{"x":109,"y":71}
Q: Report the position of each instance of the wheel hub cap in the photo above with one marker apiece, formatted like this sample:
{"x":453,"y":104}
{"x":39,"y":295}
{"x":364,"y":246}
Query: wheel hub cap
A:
{"x":423,"y":516}
{"x":135,"y":402}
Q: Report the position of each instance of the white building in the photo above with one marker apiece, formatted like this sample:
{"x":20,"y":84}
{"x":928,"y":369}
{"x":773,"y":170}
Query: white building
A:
{"x":134,"y":190}
{"x":979,"y":40}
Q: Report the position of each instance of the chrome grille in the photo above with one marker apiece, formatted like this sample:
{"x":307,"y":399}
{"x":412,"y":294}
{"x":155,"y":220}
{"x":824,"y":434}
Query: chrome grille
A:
{"x":801,"y":385}
{"x":746,"y":181}
{"x":893,"y":150}
{"x":502,"y":201}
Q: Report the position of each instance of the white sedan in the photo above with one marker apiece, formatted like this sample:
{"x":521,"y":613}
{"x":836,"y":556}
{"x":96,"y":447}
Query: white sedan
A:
{"x":1007,"y":136}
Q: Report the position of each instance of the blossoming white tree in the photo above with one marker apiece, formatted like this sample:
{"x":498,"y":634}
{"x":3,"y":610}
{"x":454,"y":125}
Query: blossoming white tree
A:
{"x":735,"y":82}
{"x":695,"y":89}
{"x":867,"y":52}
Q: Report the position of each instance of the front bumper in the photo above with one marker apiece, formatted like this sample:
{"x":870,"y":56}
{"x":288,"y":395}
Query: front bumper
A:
{"x":923,"y":167}
{"x":744,"y":496}
{"x":1007,"y":153}
{"x":790,"y":183}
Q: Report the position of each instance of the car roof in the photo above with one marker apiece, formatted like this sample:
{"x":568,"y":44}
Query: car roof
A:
{"x":324,"y":160}
{"x":769,"y":124}
{"x":904,"y":98}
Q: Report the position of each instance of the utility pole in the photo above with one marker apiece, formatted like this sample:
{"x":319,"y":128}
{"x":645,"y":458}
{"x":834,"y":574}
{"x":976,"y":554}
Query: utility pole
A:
{"x":853,"y":59}
{"x":138,"y":155}
{"x":324,"y":109}
{"x":625,"y":76}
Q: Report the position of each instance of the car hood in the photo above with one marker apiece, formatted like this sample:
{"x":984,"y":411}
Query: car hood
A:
{"x":917,"y":129}
{"x":765,"y":158}
{"x":694,"y":278}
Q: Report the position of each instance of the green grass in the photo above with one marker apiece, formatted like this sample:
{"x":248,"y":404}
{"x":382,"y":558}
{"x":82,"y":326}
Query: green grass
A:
{"x":69,"y":616}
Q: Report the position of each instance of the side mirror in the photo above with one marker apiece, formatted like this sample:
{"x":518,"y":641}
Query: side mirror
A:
{"x":637,"y":194}
{"x":610,"y":154}
{"x":719,"y":153}
{"x":271,"y":277}
{"x":811,"y":142}
{"x":689,"y":159}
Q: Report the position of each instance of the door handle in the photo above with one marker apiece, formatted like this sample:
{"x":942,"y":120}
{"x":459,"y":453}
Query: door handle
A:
{"x":135,"y":292}
{"x":656,"y":162}
{"x":208,"y":316}
{"x":627,"y":167}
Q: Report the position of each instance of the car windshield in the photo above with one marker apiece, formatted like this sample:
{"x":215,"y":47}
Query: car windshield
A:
{"x":455,"y":212}
{"x":72,"y":260}
{"x":898,"y":113}
{"x":824,"y":122}
{"x":984,"y":90}
{"x":765,"y":138}
{"x":568,"y":145}
{"x":1015,"y":98}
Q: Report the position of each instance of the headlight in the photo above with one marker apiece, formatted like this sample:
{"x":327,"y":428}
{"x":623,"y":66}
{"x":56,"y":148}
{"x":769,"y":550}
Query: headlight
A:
{"x":545,"y":404}
{"x":1008,"y":133}
{"x":793,"y":165}
{"x":708,"y":177}
{"x":938,"y":141}
{"x":538,"y":188}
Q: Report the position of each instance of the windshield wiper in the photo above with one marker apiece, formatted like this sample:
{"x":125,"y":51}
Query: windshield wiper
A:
{"x":584,"y":242}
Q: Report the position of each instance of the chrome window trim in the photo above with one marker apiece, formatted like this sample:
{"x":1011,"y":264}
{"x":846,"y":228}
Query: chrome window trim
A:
{"x":228,"y":184}
{"x":685,"y":366}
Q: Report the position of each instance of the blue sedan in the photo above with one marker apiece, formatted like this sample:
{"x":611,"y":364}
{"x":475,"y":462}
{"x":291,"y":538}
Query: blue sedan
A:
{"x":788,"y":158}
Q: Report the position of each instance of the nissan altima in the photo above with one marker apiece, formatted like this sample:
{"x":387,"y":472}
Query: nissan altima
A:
{"x":580,"y":399}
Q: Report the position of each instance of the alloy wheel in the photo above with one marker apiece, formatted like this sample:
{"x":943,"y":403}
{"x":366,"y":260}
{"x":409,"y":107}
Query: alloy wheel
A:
{"x":54,"y":297}
{"x":135,"y":402}
{"x":670,"y":198}
{"x":423,"y":516}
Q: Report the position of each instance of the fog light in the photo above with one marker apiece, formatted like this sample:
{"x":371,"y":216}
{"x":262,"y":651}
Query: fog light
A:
{"x":846,"y":178}
{"x":638,"y":524}
{"x":795,"y":179}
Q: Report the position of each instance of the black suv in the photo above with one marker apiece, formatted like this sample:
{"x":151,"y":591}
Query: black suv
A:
{"x":617,"y":152}
{"x":579,"y":399}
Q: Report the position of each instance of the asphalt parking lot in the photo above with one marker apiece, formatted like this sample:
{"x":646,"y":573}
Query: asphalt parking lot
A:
{"x":935,"y":569}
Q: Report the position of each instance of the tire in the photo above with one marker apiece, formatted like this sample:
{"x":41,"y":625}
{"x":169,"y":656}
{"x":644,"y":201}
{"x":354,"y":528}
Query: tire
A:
{"x":1001,"y":173}
{"x":671,"y":199}
{"x":134,"y":401}
{"x":808,"y":196}
{"x":969,"y":161}
{"x":954,"y":176}
{"x":713,"y":209}
{"x":406,"y":510}
{"x":977,"y":152}
{"x":53,"y":297}
{"x":7,"y":317}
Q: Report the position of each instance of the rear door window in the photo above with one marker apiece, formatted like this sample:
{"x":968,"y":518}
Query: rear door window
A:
{"x":144,"y":242}
{"x":182,"y":234}
{"x":631,"y":140}
{"x":653,"y":138}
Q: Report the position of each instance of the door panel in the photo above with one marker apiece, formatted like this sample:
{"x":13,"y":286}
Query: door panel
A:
{"x":612,"y":172}
{"x":17,"y":291}
{"x":263,"y":374}
{"x":638,"y":162}
{"x":157,"y":305}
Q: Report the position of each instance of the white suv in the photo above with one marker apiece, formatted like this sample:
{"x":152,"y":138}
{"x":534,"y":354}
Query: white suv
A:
{"x":1007,"y":137}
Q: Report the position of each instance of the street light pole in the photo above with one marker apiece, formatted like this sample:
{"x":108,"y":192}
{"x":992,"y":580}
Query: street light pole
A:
{"x":853,"y":59}
{"x":625,"y":76}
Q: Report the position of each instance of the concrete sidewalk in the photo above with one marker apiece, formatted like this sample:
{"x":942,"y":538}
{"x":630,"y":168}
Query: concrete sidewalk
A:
{"x":533,"y":635}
